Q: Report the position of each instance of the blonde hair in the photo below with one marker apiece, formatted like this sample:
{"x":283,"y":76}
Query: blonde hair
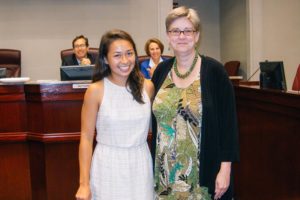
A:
{"x":183,"y":11}
{"x":189,"y":13}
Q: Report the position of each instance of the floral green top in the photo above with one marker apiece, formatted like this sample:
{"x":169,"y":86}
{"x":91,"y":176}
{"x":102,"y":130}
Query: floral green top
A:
{"x":178,"y":113}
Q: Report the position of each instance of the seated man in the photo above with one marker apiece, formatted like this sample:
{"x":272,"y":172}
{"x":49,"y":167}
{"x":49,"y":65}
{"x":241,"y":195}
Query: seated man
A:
{"x":80,"y":55}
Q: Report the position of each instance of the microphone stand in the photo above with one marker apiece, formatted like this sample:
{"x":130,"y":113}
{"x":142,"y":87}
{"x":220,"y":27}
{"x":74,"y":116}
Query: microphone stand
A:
{"x":253,"y":74}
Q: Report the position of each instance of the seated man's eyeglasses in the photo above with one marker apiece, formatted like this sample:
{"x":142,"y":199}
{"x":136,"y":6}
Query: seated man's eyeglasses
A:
{"x":79,"y":46}
{"x":186,"y":32}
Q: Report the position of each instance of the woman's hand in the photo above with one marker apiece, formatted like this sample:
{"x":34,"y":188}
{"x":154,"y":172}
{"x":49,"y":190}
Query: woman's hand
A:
{"x":222,"y":180}
{"x":83,"y":193}
{"x":151,"y":70}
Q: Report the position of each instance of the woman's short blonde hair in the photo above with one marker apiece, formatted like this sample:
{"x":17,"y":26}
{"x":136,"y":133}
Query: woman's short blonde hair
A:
{"x":153,"y":40}
{"x":183,"y":11}
{"x":189,"y":13}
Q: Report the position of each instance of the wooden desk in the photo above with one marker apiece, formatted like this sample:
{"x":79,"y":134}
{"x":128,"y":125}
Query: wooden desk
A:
{"x":39,"y":138}
{"x":235,"y":79}
{"x":53,"y":112}
{"x":269,"y":135}
{"x":39,"y":135}
{"x":14,"y":162}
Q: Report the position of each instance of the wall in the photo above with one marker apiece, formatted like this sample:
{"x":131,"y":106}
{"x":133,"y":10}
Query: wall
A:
{"x":281,"y":34}
{"x":234,"y":33}
{"x":208,"y":11}
{"x":247,"y":30}
{"x":42,"y":28}
{"x":255,"y":30}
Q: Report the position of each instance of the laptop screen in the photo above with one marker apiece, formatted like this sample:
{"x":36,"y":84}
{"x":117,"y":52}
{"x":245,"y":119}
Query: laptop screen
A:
{"x":2,"y":72}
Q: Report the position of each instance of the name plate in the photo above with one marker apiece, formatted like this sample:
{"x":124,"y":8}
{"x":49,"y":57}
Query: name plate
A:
{"x":80,"y":85}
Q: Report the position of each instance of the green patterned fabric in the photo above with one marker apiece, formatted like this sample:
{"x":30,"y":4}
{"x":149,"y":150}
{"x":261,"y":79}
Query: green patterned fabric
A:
{"x":178,"y":113}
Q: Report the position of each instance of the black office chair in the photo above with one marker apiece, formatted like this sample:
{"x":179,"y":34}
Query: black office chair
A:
{"x":145,"y":57}
{"x":10,"y":59}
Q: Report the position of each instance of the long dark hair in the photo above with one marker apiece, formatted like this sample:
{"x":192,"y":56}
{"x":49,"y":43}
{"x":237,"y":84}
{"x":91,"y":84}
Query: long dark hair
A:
{"x":135,"y":80}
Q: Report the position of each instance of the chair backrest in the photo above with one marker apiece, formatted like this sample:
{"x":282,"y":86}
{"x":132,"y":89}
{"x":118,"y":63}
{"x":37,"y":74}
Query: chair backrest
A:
{"x":232,"y":67}
{"x":66,"y":52}
{"x":145,"y":57}
{"x":296,"y":84}
{"x":11,"y":60}
{"x":142,"y":58}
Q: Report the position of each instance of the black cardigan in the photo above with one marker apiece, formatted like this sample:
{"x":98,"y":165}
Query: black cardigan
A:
{"x":219,"y":130}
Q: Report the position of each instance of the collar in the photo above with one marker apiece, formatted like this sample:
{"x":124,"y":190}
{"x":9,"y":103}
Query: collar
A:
{"x":151,"y":62}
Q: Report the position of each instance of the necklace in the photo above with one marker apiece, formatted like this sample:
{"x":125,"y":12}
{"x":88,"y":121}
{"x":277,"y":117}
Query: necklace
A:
{"x":186,"y":74}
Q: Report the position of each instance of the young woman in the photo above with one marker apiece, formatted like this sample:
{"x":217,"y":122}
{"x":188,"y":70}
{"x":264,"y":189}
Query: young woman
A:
{"x":117,"y":104}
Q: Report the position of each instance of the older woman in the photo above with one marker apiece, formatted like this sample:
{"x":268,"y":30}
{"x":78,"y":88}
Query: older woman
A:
{"x":195,"y":122}
{"x":153,"y":48}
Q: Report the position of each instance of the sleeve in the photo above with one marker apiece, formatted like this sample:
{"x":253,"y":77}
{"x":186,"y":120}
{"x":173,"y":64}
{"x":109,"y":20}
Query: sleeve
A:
{"x":64,"y":63}
{"x":143,"y":68}
{"x":92,"y":58}
{"x":67,"y":61}
{"x":228,"y":120}
{"x":161,"y":72}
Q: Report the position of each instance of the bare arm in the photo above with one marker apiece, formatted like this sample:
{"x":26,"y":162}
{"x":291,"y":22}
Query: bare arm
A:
{"x":150,"y":91}
{"x":149,"y":88}
{"x":90,"y":107}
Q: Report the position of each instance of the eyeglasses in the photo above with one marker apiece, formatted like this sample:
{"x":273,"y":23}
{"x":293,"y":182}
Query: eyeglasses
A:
{"x":186,"y":32}
{"x":79,"y":46}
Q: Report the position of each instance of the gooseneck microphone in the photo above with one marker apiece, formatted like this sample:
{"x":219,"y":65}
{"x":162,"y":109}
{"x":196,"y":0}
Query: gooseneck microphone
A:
{"x":253,"y":74}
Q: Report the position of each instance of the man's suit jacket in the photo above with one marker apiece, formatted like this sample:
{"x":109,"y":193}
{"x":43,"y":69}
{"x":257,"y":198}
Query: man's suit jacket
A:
{"x":71,"y":60}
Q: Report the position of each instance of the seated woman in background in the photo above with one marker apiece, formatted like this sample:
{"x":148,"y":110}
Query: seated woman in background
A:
{"x":153,"y":48}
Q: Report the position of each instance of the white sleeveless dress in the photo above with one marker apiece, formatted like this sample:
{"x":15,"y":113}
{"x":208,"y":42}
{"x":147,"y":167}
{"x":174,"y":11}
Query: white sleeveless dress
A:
{"x":122,"y":165}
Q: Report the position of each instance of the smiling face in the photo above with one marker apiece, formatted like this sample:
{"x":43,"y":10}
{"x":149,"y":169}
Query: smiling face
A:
{"x":155,"y":51}
{"x":121,"y":59}
{"x":80,"y":48}
{"x":184,"y":42}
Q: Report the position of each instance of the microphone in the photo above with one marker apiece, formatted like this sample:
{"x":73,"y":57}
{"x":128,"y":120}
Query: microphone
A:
{"x":253,"y":74}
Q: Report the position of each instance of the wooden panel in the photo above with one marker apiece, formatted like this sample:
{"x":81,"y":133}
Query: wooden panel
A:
{"x":54,"y":117}
{"x":14,"y":156}
{"x":269,"y":139}
{"x":14,"y":171}
{"x":39,"y":138}
{"x":56,"y":91}
{"x":54,"y":133}
{"x":55,"y":170}
{"x":12,"y":108}
{"x":62,"y":170}
{"x":37,"y":169}
{"x":56,"y":108}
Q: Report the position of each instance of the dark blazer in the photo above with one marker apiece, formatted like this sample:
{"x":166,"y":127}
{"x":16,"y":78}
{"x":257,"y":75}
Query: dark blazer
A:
{"x":219,"y":131}
{"x":71,"y":60}
{"x":145,"y":65}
